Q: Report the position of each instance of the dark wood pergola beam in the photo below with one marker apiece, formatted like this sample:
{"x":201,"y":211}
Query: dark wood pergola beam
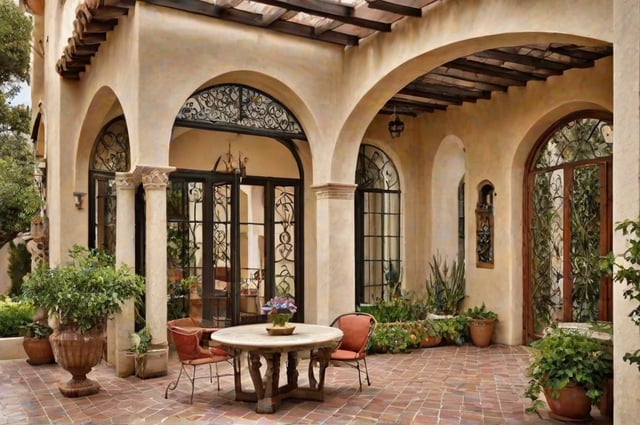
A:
{"x":454,"y":100}
{"x":554,"y":67}
{"x":207,"y":9}
{"x":450,"y":90}
{"x":415,"y":105}
{"x":398,"y":9}
{"x":577,"y":53}
{"x":333,"y":11}
{"x":494,"y":71}
{"x":454,"y":76}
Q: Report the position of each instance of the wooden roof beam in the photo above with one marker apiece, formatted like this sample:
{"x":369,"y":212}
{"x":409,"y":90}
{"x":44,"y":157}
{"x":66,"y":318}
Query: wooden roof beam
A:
{"x":333,"y":11}
{"x":554,"y":67}
{"x":453,"y":100}
{"x":451,"y":90}
{"x":398,"y":9}
{"x":494,"y":71}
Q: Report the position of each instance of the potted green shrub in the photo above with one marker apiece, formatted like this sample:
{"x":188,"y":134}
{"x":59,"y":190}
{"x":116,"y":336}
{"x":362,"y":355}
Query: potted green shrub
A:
{"x":431,"y":334}
{"x":482,"y":322}
{"x":36,"y":343}
{"x":146,"y":355}
{"x":570,"y":368}
{"x":81,"y":295}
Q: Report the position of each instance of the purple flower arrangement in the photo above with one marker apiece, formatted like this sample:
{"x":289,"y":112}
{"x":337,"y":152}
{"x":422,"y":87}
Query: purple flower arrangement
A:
{"x":280,"y":305}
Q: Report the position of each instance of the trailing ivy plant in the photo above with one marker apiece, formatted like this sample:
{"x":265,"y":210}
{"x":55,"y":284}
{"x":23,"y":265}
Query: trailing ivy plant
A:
{"x":627,"y":272}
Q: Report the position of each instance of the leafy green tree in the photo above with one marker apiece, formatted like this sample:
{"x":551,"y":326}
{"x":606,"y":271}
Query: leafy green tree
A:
{"x":19,"y":199}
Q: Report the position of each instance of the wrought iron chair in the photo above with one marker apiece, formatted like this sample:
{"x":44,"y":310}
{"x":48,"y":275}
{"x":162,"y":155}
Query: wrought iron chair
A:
{"x":190,"y":324}
{"x":357,"y":328}
{"x":191,"y":353}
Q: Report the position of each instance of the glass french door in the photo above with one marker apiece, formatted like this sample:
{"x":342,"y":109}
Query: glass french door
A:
{"x":569,"y":187}
{"x":236,"y":243}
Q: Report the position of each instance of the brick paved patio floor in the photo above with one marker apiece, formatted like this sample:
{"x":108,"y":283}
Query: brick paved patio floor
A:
{"x":442,"y":385}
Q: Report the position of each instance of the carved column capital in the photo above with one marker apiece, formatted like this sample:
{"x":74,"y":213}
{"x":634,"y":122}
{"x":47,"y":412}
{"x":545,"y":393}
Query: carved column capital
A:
{"x":126,"y":181}
{"x":330,"y":190}
{"x":155,"y":179}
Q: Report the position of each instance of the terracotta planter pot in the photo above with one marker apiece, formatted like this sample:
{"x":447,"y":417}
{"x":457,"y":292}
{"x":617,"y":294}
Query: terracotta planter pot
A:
{"x":572,"y":404}
{"x":38,"y":351}
{"x":481,"y":331}
{"x":78,"y":353}
{"x":430,"y":341}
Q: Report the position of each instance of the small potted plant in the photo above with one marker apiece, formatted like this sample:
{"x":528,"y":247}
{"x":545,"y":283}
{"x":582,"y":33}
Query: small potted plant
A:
{"x":482,"y":322}
{"x":81,"y":295}
{"x":432,"y":333}
{"x":570,"y":368}
{"x":36,"y":343}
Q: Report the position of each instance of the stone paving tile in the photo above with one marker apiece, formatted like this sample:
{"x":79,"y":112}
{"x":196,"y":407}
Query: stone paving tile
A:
{"x":443,"y":385}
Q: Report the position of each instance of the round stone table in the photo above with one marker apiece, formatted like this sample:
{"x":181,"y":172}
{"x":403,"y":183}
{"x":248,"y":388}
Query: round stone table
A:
{"x":319,"y":340}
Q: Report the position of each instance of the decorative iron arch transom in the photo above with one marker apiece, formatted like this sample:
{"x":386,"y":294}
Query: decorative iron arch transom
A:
{"x":238,"y":108}
{"x":111,"y":150}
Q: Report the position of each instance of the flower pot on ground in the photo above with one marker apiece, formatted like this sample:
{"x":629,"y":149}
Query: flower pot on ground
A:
{"x":36,"y":343}
{"x":81,"y":295}
{"x":432,"y":333}
{"x":148,"y":359}
{"x":482,"y":322}
{"x":566,"y":358}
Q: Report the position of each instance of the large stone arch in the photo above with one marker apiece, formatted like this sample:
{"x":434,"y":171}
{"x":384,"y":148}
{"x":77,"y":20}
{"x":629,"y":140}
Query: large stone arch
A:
{"x":263,"y":82}
{"x":426,"y":44}
{"x":104,"y":106}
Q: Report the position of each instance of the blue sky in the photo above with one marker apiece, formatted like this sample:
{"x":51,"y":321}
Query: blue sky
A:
{"x":23,"y":97}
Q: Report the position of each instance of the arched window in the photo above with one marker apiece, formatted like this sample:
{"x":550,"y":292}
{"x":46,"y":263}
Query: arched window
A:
{"x":568,"y":217}
{"x":110,"y":154}
{"x":377,"y":209}
{"x":461,"y":220}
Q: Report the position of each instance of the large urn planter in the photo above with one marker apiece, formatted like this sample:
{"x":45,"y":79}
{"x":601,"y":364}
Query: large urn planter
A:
{"x":78,"y":353}
{"x":570,"y":405}
{"x":80,"y":296}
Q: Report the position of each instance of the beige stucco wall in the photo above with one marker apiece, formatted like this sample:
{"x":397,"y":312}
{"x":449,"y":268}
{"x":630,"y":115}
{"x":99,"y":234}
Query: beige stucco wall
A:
{"x":497,"y":136}
{"x":626,"y":197}
{"x":200,"y":149}
{"x":147,"y":70}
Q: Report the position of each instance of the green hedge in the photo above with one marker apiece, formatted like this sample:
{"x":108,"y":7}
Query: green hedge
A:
{"x":13,"y":316}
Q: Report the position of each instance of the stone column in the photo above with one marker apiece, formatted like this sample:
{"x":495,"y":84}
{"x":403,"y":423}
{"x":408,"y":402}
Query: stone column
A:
{"x":334,"y":291}
{"x":124,"y":323}
{"x":155,"y":182}
{"x":626,"y":195}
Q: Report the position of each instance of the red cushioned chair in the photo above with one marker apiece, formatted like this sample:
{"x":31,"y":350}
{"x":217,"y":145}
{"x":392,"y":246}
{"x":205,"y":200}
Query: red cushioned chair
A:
{"x":191,"y":353}
{"x":357,"y":328}
{"x":189,"y":323}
